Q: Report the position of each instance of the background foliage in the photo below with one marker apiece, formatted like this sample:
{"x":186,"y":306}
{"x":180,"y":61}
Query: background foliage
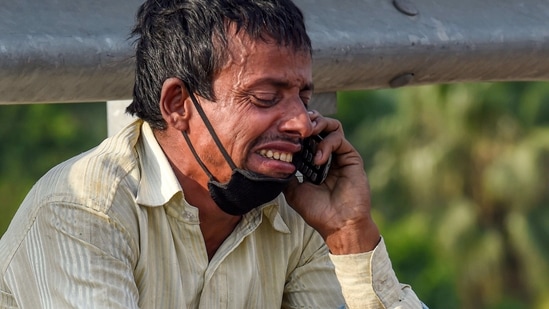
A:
{"x":34,"y":138}
{"x":459,"y":177}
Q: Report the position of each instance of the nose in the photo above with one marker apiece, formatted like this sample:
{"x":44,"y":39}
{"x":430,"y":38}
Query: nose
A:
{"x":296,"y":120}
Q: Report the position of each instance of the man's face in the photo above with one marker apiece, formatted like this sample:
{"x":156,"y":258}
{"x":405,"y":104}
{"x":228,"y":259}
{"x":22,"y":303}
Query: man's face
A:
{"x":260,"y":113}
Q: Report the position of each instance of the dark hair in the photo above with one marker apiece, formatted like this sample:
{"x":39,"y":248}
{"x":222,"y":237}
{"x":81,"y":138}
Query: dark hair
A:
{"x":187,"y":39}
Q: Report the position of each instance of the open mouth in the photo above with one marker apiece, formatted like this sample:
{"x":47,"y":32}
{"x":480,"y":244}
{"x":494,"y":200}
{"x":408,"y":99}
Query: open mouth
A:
{"x":276,"y":155}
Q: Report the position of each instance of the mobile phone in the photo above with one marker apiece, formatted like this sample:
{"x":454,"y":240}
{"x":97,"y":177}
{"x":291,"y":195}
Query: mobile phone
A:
{"x":303,"y":161}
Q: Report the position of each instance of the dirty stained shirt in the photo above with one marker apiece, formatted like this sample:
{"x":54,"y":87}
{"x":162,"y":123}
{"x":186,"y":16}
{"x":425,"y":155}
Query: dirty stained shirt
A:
{"x":111,"y":228}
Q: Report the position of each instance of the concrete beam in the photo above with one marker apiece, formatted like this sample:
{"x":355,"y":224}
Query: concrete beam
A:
{"x":78,"y":51}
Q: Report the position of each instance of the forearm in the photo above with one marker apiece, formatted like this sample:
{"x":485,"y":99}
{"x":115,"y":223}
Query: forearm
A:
{"x":368,"y":281}
{"x":355,"y":237}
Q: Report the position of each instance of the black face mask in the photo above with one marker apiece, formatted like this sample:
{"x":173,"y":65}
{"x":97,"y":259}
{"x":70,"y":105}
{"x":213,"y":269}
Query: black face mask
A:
{"x":245,"y":190}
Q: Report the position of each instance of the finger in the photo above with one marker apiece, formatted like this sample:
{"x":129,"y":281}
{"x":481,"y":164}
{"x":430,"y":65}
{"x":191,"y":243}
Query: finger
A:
{"x":324,"y":125}
{"x":332,"y":143}
{"x":332,"y":132}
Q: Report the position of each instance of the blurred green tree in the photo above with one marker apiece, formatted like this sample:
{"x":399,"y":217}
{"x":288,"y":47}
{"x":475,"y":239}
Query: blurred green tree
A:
{"x":36,"y":137}
{"x":459,"y":177}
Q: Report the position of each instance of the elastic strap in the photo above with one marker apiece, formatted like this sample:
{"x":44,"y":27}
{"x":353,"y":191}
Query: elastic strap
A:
{"x":212,"y":133}
{"x":196,"y":155}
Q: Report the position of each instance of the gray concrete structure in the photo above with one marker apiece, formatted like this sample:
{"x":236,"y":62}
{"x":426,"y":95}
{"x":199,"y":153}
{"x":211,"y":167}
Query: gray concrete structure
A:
{"x":78,"y":50}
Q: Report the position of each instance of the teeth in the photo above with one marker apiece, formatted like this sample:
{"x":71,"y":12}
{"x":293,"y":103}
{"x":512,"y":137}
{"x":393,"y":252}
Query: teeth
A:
{"x":282,"y":156}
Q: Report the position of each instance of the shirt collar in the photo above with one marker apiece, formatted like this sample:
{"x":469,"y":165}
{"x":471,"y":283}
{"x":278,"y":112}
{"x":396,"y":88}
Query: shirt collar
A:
{"x":158,"y":182}
{"x":270,"y":211}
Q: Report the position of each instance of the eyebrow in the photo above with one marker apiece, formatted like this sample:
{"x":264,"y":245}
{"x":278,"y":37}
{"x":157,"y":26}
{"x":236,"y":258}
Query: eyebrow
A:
{"x":281,"y":83}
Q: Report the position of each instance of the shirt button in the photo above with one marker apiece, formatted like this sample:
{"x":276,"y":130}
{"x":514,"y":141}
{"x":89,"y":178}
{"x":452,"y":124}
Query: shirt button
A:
{"x":189,"y":215}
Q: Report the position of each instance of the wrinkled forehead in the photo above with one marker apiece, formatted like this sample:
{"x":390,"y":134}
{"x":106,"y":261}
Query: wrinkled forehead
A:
{"x":240,"y":45}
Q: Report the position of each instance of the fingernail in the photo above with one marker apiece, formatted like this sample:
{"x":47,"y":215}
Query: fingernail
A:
{"x":318,"y":155}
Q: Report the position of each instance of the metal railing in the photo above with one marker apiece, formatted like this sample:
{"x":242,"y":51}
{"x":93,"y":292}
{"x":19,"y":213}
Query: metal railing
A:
{"x":79,"y":51}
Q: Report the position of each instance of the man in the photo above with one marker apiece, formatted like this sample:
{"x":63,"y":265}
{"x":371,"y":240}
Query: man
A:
{"x":183,"y":208}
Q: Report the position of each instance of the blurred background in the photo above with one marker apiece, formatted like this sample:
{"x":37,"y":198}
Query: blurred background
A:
{"x":459,"y":176}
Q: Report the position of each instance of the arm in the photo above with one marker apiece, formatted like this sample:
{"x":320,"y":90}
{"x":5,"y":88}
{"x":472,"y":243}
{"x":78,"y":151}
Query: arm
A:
{"x":73,"y":257}
{"x":368,"y":281}
{"x":342,"y":217}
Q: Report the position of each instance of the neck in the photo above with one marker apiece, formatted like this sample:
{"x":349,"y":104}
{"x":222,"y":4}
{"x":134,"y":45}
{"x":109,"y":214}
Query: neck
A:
{"x":215,"y":224}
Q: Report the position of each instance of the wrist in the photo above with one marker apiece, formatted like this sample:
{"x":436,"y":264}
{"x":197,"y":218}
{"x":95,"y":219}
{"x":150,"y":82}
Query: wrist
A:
{"x":354,"y":238}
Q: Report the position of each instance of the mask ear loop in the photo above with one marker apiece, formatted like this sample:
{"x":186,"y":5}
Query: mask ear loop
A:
{"x":206,"y":170}
{"x":212,"y":133}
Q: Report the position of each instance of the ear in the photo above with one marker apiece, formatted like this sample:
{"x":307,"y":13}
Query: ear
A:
{"x":172,"y":104}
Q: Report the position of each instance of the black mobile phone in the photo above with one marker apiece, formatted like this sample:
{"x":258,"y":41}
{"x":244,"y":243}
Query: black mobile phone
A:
{"x":304,"y":161}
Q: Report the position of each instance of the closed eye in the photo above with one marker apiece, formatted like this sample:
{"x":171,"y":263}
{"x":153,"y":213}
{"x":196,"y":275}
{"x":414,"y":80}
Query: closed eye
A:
{"x":306,"y":97}
{"x":264,"y":100}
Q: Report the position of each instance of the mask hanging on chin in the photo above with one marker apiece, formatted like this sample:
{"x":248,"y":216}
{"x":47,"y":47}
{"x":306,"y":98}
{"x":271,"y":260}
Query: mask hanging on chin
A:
{"x":245,"y":190}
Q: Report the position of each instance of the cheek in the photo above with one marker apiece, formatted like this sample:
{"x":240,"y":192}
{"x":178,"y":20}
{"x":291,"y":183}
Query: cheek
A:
{"x":239,"y":124}
{"x":233,"y":119}
{"x":241,"y":139}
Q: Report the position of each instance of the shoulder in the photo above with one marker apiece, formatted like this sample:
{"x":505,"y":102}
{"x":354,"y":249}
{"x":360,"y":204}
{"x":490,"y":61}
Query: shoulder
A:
{"x":91,"y":178}
{"x":84,"y":189}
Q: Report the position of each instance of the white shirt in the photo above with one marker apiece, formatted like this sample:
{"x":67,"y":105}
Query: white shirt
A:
{"x":111,"y":228}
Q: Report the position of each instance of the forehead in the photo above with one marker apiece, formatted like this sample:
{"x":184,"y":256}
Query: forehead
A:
{"x":238,"y":39}
{"x":248,"y":60}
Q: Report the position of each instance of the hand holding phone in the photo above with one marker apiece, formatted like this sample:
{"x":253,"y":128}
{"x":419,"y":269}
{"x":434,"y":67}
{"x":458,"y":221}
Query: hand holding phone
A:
{"x":304,"y":161}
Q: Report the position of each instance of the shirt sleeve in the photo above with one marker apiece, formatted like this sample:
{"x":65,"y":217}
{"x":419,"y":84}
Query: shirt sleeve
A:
{"x":368,"y":281}
{"x":73,"y":257}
